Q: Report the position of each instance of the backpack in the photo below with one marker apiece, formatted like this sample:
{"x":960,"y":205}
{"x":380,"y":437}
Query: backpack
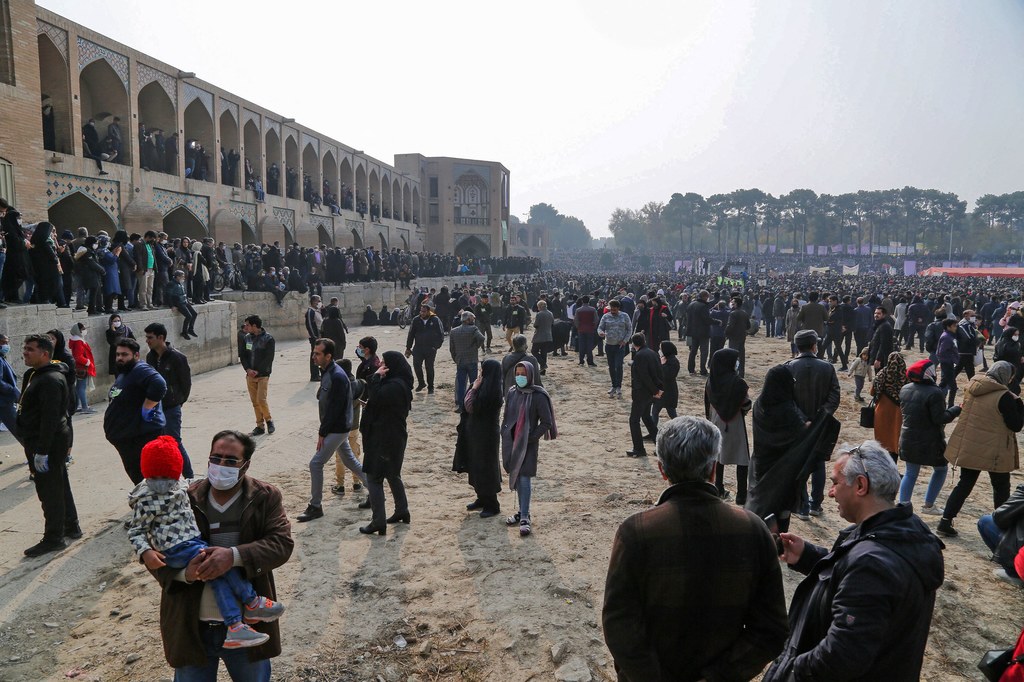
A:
{"x":931,"y":339}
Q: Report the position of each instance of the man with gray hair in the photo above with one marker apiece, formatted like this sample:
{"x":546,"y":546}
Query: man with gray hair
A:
{"x":694,"y":588}
{"x":464,"y":343}
{"x":864,"y":609}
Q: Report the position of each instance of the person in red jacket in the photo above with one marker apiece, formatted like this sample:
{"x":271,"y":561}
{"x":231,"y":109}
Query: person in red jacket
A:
{"x":85,"y":365}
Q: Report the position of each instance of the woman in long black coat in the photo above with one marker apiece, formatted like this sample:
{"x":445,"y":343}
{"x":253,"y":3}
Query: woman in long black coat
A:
{"x":16,"y":265}
{"x":43,"y":257}
{"x":669,"y":399}
{"x":383,"y":426}
{"x":476,"y":450}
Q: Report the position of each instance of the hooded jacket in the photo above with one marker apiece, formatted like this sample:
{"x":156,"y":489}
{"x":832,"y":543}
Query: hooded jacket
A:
{"x":922,"y":440}
{"x":864,"y":610}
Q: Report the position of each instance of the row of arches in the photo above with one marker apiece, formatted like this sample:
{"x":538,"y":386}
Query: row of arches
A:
{"x":103,"y":95}
{"x":78,"y":210}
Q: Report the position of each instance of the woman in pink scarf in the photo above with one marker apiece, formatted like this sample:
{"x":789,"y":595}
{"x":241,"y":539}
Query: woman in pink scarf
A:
{"x":529,"y":416}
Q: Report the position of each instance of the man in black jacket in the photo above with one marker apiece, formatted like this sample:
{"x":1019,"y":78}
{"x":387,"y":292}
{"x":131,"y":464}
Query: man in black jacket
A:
{"x":864,"y":610}
{"x":314,"y":319}
{"x":882,"y":340}
{"x":647,"y":387}
{"x":45,"y":432}
{"x":515,"y":320}
{"x":258,"y":363}
{"x":816,"y":388}
{"x":736,"y":330}
{"x":335,"y":404}
{"x":918,"y":317}
{"x":698,"y":328}
{"x":173,"y":367}
{"x":426,"y":336}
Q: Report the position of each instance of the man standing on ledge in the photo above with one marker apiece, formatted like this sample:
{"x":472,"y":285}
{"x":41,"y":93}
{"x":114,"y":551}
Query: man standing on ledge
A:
{"x":44,"y":429}
{"x":694,"y":589}
{"x":133,"y":416}
{"x":864,"y":609}
{"x":258,"y":362}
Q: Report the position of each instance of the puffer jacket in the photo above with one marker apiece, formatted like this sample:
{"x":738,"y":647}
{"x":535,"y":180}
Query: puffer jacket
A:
{"x":1009,"y":518}
{"x":922,"y":439}
{"x":880,"y":575}
{"x":985,"y":436}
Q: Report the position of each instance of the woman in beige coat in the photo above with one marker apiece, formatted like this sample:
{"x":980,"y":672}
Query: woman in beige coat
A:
{"x":984,"y":439}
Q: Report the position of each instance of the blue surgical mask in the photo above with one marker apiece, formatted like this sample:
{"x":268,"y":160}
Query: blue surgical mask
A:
{"x":5,"y":349}
{"x":359,"y":352}
{"x":521,"y":381}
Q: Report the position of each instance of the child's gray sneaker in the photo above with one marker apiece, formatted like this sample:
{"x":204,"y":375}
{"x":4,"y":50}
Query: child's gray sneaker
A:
{"x":263,"y":611}
{"x":241,"y":636}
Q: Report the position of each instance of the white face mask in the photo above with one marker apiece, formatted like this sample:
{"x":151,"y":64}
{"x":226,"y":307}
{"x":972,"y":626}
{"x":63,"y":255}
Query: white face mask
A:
{"x":222,"y":477}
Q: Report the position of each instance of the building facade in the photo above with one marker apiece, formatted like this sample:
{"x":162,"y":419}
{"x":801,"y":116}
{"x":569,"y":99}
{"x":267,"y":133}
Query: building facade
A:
{"x":156,"y":125}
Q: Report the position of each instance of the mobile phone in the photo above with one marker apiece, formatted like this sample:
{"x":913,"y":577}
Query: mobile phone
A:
{"x":773,"y":528}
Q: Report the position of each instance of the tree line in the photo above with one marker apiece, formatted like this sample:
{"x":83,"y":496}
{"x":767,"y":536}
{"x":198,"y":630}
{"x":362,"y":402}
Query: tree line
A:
{"x":742,"y":220}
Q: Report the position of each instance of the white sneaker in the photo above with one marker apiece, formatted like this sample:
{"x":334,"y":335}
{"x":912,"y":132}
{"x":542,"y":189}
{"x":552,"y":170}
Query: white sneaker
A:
{"x":931,"y":510}
{"x":1007,"y":578}
{"x":611,"y":391}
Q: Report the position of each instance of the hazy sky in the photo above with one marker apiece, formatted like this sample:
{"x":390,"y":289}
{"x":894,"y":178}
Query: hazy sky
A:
{"x":597,"y":105}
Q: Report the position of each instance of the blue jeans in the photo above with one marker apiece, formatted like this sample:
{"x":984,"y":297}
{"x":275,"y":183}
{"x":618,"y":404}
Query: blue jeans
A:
{"x":585,"y":343}
{"x":228,"y":590}
{"x":236,"y":661}
{"x":817,"y":490}
{"x":989,"y":531}
{"x":616,"y":354}
{"x":81,"y":387}
{"x":524,"y":489}
{"x":465,"y":374}
{"x":9,"y":418}
{"x":934,"y":485}
{"x":173,"y":428}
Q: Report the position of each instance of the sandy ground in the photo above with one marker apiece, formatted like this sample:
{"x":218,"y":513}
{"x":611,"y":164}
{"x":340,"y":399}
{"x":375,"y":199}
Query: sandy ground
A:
{"x":471,"y":599}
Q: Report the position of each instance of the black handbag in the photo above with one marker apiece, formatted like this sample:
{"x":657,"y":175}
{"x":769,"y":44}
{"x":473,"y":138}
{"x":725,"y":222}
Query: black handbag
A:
{"x":994,"y":663}
{"x":867,"y":415}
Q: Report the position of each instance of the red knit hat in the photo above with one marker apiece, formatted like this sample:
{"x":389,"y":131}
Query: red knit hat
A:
{"x":161,"y":458}
{"x":916,"y":372}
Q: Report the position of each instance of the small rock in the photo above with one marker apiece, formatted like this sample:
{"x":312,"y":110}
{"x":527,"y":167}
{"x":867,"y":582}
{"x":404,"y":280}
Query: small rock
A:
{"x":14,"y":659}
{"x":426,"y":648}
{"x":558,"y":652}
{"x":509,"y":645}
{"x":30,"y":632}
{"x":391,"y":674}
{"x":574,"y":670}
{"x":413,"y":678}
{"x":115,"y":612}
{"x":612,"y":497}
{"x":132,"y":658}
{"x":51,"y":625}
{"x":422,"y":626}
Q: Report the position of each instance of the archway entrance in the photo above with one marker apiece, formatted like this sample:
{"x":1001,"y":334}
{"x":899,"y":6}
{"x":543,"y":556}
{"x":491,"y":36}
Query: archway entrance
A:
{"x":102,"y":98}
{"x":383,"y":242}
{"x":323,"y":236}
{"x":181,"y":222}
{"x":156,"y":112}
{"x":291,"y":161}
{"x":273,"y":183}
{"x":472,"y":247}
{"x":230,"y":170}
{"x":78,"y":210}
{"x":56,"y":91}
{"x":248,"y":234}
{"x":357,"y":241}
{"x":200,"y":151}
{"x":251,"y":135}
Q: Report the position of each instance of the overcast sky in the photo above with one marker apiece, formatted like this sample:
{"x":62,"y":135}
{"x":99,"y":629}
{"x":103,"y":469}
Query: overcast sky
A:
{"x":597,"y":105}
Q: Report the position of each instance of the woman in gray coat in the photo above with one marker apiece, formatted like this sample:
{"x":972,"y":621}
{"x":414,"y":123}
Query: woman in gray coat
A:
{"x":529,"y":416}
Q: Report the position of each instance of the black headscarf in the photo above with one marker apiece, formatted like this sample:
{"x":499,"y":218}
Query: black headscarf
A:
{"x":398,"y":369}
{"x":42,"y":233}
{"x":779,"y":386}
{"x":725,"y":389}
{"x":491,"y":392}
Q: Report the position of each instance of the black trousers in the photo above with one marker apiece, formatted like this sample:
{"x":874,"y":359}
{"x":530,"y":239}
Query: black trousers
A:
{"x":421,"y":357}
{"x":540,"y":351}
{"x":54,"y":491}
{"x":375,"y":489}
{"x":702,"y":345}
{"x":968,"y":477}
{"x":742,"y":348}
{"x":190,"y":315}
{"x":130,"y":450}
{"x":640,"y":410}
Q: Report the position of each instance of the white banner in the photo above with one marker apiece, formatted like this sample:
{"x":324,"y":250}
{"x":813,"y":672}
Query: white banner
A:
{"x":853,"y":270}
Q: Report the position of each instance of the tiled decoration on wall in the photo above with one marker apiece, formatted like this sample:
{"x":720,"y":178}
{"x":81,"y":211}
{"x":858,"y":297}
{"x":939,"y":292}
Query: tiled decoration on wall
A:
{"x":193,"y":93}
{"x":244,"y":211}
{"x":106,"y":193}
{"x":88,"y":52}
{"x":166,"y":201}
{"x":287,"y":218}
{"x":56,"y":34}
{"x":225,"y":105}
{"x":148,"y":74}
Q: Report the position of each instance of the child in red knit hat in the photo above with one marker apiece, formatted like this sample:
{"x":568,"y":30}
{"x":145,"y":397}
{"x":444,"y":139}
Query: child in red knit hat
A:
{"x":164,"y":532}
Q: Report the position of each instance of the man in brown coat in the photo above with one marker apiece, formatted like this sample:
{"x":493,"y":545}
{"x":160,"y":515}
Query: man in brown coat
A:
{"x":244,"y":522}
{"x":694,"y":589}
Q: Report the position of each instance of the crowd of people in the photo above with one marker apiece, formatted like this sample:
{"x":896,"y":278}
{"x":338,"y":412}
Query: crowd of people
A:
{"x":694,"y":555}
